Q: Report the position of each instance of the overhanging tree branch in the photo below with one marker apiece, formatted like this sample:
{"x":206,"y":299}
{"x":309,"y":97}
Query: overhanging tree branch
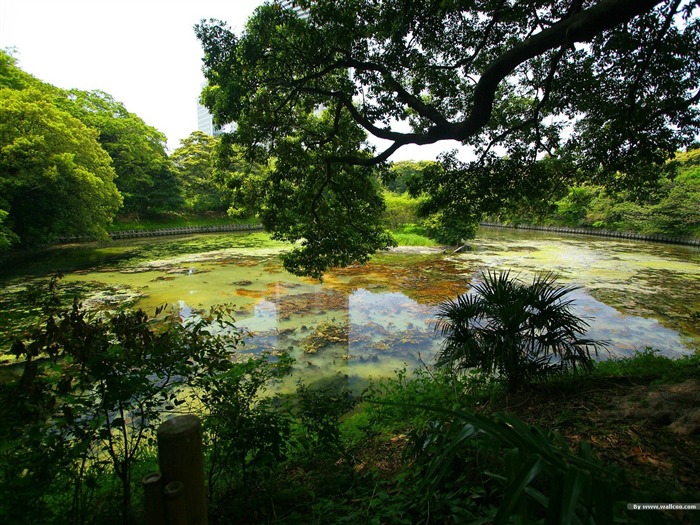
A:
{"x":577,"y":26}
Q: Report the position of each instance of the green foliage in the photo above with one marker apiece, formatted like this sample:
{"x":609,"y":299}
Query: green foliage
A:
{"x":195,"y":164}
{"x":7,"y":236}
{"x":145,"y":175}
{"x":668,"y":205}
{"x":539,"y":113}
{"x":572,"y":209}
{"x":12,"y":77}
{"x":400,"y":210}
{"x":446,"y":220}
{"x":530,"y":475}
{"x":241,"y":181}
{"x":319,"y":411}
{"x":399,"y":395}
{"x":55,"y":179}
{"x":649,"y":364}
{"x":175,"y":220}
{"x":450,"y":230}
{"x":400,"y":175}
{"x":92,"y":391}
{"x":332,"y":212}
{"x":413,"y":235}
{"x":678,"y":212}
{"x":516,"y":331}
{"x":412,"y":454}
{"x":245,"y":433}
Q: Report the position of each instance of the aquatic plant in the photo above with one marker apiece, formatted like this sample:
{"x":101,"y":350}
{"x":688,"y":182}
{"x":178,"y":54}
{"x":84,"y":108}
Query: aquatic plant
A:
{"x":516,"y":331}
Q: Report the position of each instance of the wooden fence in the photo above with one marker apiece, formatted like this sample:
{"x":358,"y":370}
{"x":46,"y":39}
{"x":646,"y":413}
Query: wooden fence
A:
{"x":186,"y":230}
{"x":599,"y":232}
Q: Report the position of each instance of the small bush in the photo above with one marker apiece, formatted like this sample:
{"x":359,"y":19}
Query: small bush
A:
{"x":515,"y":331}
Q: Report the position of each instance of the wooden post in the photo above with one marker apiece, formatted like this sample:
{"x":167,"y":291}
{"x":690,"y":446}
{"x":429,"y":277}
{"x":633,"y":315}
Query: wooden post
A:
{"x":153,"y":498}
{"x":175,"y":505}
{"x":181,"y":459}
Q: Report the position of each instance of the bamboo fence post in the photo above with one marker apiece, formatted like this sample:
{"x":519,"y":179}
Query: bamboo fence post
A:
{"x":175,"y":505}
{"x":181,"y":458}
{"x":153,"y":498}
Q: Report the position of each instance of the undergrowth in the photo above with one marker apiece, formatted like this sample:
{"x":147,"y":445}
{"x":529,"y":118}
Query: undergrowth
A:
{"x":430,"y":446}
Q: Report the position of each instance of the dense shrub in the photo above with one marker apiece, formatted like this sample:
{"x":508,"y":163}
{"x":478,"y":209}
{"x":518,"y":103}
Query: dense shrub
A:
{"x":516,"y":331}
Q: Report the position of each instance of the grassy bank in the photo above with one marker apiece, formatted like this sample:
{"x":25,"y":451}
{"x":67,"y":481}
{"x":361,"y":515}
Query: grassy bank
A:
{"x":175,"y":220}
{"x":405,"y":235}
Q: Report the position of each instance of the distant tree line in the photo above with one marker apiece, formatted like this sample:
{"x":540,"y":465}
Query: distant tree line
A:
{"x":669,"y":204}
{"x":72,"y":160}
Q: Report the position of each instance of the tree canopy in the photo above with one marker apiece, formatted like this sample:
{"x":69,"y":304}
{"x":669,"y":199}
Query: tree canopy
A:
{"x":607,"y":89}
{"x":55,"y":179}
{"x":145,"y":176}
{"x":195,"y":165}
{"x":70,"y":159}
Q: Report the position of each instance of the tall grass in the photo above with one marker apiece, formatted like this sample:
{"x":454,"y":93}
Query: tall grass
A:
{"x":412,"y":235}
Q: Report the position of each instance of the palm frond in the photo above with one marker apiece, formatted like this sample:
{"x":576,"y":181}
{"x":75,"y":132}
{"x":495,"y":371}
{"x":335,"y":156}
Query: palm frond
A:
{"x":519,"y":331}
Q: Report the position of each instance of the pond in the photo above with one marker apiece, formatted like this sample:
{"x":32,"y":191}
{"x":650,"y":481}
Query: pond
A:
{"x":367,"y":321}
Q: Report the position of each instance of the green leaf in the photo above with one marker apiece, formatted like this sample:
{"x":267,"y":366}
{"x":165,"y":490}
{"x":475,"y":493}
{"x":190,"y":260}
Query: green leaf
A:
{"x":514,"y":491}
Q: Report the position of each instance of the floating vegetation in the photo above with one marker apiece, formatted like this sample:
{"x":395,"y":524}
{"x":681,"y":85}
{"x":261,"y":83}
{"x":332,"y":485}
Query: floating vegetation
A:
{"x":426,"y":278}
{"x":22,"y":305}
{"x":311,"y":303}
{"x":373,"y":318}
{"x":324,"y":335}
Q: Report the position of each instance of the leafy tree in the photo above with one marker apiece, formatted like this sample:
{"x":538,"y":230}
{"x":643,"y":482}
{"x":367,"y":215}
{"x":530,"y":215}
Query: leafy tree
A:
{"x":400,"y":174}
{"x":244,"y":433}
{"x":609,"y":88}
{"x":516,"y":331}
{"x":195,"y":165}
{"x":401,"y":210}
{"x":12,"y":77}
{"x":145,"y":175}
{"x":55,"y":179}
{"x":7,"y":236}
{"x":242,"y":181}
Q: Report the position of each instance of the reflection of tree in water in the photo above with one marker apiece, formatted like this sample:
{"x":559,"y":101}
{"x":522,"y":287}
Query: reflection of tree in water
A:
{"x":332,"y":327}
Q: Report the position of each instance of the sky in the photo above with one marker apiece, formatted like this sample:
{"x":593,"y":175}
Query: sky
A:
{"x":142,"y":52}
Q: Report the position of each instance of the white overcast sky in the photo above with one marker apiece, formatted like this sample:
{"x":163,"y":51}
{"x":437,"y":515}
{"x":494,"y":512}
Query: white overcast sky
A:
{"x":142,"y":52}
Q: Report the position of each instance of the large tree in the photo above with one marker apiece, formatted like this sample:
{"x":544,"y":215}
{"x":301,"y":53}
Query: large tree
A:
{"x":145,"y":175}
{"x":607,"y":89}
{"x":195,"y":165}
{"x":55,"y":179}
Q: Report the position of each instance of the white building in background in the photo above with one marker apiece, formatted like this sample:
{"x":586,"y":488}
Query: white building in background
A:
{"x":297,"y":9}
{"x":205,"y":121}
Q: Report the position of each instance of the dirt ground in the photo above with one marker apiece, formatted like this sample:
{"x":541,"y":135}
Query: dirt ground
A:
{"x":651,"y":431}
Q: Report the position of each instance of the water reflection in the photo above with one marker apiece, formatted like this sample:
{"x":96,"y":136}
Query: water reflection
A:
{"x":359,"y":334}
{"x":371,"y":334}
{"x":626,"y":333}
{"x":371,"y":320}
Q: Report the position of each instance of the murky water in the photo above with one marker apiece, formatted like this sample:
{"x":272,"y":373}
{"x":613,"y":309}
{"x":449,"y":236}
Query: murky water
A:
{"x":367,"y":321}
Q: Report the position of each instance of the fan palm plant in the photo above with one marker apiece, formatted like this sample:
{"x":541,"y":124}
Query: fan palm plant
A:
{"x":514,"y":330}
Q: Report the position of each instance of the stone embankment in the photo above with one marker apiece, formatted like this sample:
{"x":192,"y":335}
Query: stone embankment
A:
{"x":599,"y":232}
{"x":186,"y":230}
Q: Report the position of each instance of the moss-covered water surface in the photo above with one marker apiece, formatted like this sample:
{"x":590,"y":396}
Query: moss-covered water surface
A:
{"x":369,"y":320}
